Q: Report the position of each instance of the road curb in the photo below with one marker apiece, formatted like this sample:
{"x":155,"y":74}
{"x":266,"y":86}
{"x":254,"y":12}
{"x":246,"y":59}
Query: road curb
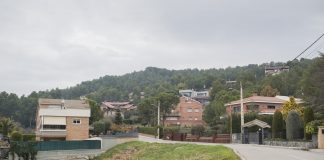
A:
{"x":239,"y":154}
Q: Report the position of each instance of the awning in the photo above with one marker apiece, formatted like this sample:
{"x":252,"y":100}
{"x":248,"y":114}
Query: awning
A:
{"x":256,"y":122}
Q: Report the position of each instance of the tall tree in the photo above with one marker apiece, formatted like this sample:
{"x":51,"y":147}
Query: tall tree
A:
{"x":168,"y":101}
{"x":313,"y":86}
{"x":96,"y":113}
{"x":268,"y":91}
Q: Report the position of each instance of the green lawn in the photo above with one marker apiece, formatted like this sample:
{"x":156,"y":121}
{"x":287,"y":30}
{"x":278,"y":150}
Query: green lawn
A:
{"x":156,"y":151}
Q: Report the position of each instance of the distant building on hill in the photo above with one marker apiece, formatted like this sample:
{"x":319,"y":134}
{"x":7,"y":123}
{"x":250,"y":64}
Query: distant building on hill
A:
{"x":110,"y":108}
{"x":187,"y":113}
{"x":58,"y":119}
{"x":276,"y":70}
{"x":259,"y":104}
{"x":201,"y":96}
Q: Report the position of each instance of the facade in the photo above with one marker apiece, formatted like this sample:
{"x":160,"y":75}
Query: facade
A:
{"x":58,"y":119}
{"x":276,"y":70}
{"x":187,"y":113}
{"x":110,"y":108}
{"x":259,"y":104}
{"x":201,"y":96}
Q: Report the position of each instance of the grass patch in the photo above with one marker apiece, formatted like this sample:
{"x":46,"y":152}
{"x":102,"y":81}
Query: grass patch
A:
{"x":137,"y":150}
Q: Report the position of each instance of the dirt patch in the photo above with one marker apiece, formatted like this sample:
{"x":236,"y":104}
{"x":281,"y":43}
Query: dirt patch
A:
{"x":125,"y":155}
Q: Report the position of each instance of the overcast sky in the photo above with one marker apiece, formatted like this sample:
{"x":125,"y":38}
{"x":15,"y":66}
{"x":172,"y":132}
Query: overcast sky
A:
{"x":59,"y":43}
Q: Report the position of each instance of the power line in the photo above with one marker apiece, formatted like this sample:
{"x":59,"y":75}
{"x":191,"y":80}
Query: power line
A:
{"x":309,"y":47}
{"x":315,"y":50}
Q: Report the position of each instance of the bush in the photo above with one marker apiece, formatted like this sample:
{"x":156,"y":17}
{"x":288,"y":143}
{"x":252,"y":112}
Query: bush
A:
{"x":293,"y":126}
{"x":197,"y":130}
{"x":98,"y":127}
{"x":107,"y":125}
{"x":148,"y":130}
{"x":16,"y":136}
{"x":308,"y":117}
{"x":277,"y":125}
{"x":311,"y":127}
{"x":28,"y":137}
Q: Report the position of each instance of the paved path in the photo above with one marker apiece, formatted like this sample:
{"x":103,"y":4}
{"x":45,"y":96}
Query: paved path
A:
{"x":257,"y":152}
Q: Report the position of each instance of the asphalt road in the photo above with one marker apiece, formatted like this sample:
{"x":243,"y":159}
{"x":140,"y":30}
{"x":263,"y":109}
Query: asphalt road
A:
{"x":257,"y":152}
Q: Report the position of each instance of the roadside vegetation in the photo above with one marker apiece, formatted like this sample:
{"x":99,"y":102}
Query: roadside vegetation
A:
{"x":151,"y":151}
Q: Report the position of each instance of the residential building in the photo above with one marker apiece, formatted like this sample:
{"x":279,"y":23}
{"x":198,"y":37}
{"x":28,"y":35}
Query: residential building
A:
{"x":187,"y":113}
{"x":259,"y":104}
{"x":276,"y":70}
{"x":201,"y":96}
{"x":110,"y":108}
{"x":58,"y":119}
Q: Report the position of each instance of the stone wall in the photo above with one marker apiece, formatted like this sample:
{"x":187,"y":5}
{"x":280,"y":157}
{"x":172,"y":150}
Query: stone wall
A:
{"x":297,"y":144}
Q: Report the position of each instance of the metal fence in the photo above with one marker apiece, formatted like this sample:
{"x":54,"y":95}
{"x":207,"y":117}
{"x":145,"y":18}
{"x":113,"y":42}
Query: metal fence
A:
{"x":68,"y":145}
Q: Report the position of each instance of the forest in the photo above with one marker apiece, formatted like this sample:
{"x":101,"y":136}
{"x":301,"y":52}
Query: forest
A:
{"x":304,"y":80}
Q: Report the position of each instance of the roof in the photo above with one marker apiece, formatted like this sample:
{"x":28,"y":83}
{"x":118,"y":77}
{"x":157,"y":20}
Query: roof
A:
{"x":256,"y":122}
{"x":262,"y":99}
{"x":118,"y":105}
{"x":77,"y":104}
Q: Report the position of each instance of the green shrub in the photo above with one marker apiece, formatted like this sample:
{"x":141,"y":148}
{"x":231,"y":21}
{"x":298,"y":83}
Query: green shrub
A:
{"x":107,"y":125}
{"x":148,"y":130}
{"x":98,"y":127}
{"x":28,"y":137}
{"x":311,"y":127}
{"x":277,"y":125}
{"x":16,"y":136}
{"x":197,"y":130}
{"x":293,"y":126}
{"x":308,"y":117}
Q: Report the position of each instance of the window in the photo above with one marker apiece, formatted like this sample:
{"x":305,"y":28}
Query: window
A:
{"x":253,"y":108}
{"x":76,"y":121}
{"x":54,"y":127}
{"x":196,"y":110}
{"x":271,"y":107}
{"x":172,"y":118}
{"x":236,"y":109}
{"x":189,"y":110}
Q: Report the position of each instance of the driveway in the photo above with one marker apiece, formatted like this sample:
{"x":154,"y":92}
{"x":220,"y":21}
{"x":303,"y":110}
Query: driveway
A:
{"x":257,"y":152}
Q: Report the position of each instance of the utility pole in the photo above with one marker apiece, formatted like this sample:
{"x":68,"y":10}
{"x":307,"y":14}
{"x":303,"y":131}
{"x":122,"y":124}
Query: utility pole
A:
{"x":242,"y":114}
{"x":158,"y":120}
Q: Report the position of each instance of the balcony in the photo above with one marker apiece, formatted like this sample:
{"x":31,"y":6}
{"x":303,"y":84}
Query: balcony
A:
{"x":51,"y":133}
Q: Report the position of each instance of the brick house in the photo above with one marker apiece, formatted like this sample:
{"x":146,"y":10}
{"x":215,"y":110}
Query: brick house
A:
{"x":187,"y":113}
{"x":58,"y":119}
{"x":259,"y":104}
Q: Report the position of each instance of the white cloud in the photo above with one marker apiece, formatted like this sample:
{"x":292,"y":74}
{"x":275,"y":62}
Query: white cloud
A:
{"x":48,"y":44}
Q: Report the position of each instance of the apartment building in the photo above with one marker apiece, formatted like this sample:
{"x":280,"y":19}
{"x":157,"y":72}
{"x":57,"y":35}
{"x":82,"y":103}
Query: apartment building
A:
{"x":187,"y":113}
{"x":58,"y":119}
